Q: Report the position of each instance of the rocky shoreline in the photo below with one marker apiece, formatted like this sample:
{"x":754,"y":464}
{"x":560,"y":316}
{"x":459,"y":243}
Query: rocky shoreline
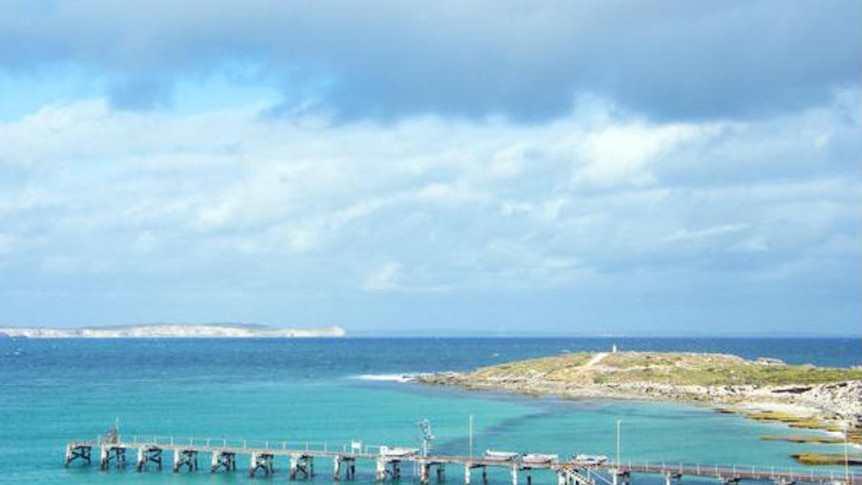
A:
{"x":830,"y":406}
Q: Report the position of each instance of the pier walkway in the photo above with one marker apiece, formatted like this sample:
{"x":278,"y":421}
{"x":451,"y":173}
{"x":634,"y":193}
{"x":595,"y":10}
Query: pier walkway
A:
{"x":223,"y":455}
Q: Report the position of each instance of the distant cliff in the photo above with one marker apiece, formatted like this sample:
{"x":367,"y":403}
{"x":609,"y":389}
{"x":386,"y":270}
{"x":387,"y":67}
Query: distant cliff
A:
{"x":174,"y":331}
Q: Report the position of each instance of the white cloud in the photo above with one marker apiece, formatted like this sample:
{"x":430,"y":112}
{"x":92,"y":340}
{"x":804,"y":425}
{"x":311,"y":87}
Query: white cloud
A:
{"x":709,"y":232}
{"x":608,"y":204}
{"x":622,"y":155}
{"x":385,"y":277}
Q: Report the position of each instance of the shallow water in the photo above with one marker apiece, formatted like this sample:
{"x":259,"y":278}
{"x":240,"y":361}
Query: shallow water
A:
{"x":52,"y":391}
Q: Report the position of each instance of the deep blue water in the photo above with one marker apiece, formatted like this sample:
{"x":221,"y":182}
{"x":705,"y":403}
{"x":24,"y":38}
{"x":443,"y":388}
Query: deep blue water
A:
{"x":52,"y":391}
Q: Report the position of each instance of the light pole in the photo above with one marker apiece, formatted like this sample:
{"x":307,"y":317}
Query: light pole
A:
{"x":618,"y":441}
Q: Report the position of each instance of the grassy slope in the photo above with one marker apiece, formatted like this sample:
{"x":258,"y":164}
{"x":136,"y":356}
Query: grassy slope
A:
{"x":665,"y":368}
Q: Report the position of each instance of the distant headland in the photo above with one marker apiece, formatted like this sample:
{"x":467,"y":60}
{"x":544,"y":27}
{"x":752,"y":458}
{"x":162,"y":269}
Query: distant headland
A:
{"x":174,"y":331}
{"x":802,"y":396}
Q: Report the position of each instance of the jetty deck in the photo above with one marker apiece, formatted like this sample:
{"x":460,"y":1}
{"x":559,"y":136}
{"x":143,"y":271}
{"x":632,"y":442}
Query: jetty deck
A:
{"x":223,"y":455}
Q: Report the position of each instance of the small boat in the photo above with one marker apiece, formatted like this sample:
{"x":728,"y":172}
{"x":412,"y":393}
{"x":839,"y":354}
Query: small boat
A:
{"x":397,"y":451}
{"x":501,"y":455}
{"x":583,"y":459}
{"x":539,"y":458}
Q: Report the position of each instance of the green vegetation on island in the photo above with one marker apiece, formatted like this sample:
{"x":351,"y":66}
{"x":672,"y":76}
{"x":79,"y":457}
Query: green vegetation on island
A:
{"x":668,"y":368}
{"x":799,"y":396}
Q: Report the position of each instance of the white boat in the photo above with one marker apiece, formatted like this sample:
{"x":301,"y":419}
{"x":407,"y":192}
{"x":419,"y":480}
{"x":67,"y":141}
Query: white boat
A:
{"x":539,"y":458}
{"x":501,"y":455}
{"x":397,"y":451}
{"x":583,"y":459}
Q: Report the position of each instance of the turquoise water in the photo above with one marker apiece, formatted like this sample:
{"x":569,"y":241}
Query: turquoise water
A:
{"x":52,"y":391}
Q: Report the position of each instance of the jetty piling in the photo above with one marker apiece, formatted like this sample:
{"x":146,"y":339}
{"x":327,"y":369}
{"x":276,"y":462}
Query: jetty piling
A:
{"x":109,"y":453}
{"x":261,"y":460}
{"x":222,"y":459}
{"x":76,"y":451}
{"x":302,"y":463}
{"x":185,"y":458}
{"x":425,"y":467}
{"x":148,"y":454}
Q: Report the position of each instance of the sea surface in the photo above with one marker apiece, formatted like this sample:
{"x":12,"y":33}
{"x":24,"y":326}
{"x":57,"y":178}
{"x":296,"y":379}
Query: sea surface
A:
{"x":53,"y":391}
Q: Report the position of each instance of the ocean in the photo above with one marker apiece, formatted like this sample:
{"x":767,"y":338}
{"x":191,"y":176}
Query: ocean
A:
{"x":53,"y":391}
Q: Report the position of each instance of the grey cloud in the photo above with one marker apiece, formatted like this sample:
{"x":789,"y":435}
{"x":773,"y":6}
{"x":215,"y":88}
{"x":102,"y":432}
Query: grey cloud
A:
{"x":527,"y":61}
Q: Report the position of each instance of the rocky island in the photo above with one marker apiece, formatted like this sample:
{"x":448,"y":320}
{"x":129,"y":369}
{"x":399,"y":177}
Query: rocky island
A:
{"x":801,"y":396}
{"x":174,"y":331}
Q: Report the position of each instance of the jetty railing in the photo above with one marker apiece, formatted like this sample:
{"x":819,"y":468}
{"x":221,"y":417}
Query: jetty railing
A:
{"x":209,"y":443}
{"x":301,"y":454}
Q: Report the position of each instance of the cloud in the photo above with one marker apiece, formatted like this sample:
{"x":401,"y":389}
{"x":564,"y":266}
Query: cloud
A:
{"x":228,"y":213}
{"x":687,"y":235}
{"x":383,"y":278}
{"x":389,"y":60}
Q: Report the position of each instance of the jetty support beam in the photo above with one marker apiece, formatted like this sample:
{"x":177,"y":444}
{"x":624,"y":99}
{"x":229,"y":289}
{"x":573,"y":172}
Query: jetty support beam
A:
{"x":301,"y":464}
{"x":563,"y":476}
{"x":223,"y":459}
{"x":260,"y":461}
{"x":336,"y":468}
{"x":380,"y":469}
{"x":148,"y":454}
{"x":185,"y":458}
{"x":424,"y":472}
{"x":73,"y":452}
{"x":387,"y":467}
{"x":625,"y":475}
{"x":109,"y":453}
{"x":349,"y":464}
{"x":345,"y":463}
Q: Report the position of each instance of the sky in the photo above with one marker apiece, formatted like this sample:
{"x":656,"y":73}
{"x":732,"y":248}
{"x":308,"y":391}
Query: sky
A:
{"x":434,"y":168}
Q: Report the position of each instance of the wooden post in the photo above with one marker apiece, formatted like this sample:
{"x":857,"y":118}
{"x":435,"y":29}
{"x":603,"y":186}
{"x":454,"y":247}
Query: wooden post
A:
{"x":336,"y":468}
{"x":73,"y":452}
{"x":380,"y":470}
{"x":260,"y":461}
{"x":294,"y":463}
{"x":352,"y":469}
{"x":467,"y":470}
{"x":515,"y":474}
{"x":104,"y":457}
{"x":424,"y":471}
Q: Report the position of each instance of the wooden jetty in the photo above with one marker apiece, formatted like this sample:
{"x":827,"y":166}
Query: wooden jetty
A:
{"x":389,"y":462}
